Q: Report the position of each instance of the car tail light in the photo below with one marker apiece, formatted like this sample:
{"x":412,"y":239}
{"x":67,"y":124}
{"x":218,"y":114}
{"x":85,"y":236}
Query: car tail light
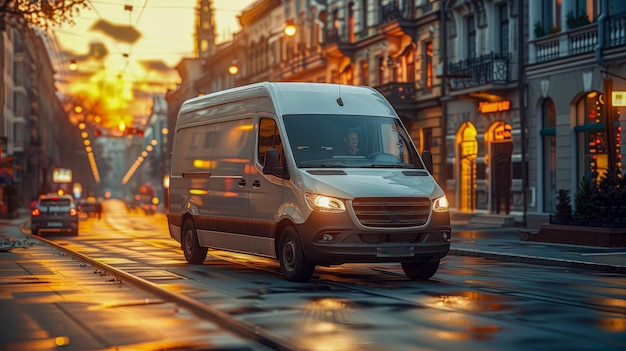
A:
{"x":73,"y":212}
{"x":36,"y":212}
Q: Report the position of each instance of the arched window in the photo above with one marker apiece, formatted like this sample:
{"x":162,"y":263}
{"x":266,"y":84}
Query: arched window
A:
{"x":548,"y":142}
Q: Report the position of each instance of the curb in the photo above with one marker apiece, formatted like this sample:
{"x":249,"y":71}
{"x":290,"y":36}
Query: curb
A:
{"x":544,"y":261}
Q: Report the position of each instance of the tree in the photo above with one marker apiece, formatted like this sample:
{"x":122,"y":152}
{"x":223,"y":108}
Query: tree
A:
{"x":585,"y":197}
{"x":564,"y":205}
{"x":40,"y":13}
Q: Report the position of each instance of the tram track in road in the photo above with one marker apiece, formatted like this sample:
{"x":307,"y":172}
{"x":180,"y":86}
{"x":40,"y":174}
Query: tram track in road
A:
{"x":242,"y":328}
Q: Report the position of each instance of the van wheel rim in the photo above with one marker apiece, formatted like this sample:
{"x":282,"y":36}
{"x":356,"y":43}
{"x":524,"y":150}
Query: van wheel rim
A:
{"x":188,"y":243}
{"x":289,"y":254}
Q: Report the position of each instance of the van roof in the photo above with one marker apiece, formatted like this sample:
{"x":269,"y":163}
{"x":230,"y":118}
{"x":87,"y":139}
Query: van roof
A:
{"x":302,"y":98}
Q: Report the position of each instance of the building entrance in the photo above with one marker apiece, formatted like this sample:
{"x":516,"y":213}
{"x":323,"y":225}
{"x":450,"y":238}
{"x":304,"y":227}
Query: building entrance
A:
{"x":500,"y":169}
{"x":467,"y":151}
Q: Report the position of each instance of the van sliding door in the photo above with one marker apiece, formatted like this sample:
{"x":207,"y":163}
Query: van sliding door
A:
{"x":233,"y":148}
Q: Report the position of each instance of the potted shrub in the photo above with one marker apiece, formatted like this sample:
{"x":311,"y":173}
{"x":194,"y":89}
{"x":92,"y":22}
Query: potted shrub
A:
{"x":599,"y":217}
{"x":539,"y":30}
{"x":575,"y":21}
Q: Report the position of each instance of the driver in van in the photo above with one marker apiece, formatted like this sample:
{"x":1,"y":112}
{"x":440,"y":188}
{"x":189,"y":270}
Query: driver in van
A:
{"x":351,"y":144}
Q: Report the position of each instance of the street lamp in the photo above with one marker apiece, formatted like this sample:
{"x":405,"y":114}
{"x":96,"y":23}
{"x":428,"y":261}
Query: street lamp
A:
{"x":290,"y":28}
{"x":233,"y":68}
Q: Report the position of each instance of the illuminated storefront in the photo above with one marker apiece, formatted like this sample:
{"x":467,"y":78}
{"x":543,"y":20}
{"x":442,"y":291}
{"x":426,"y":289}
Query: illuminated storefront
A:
{"x":484,"y":155}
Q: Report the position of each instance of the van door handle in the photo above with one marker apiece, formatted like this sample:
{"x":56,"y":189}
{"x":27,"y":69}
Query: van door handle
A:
{"x":256,"y":184}
{"x":242,"y":182}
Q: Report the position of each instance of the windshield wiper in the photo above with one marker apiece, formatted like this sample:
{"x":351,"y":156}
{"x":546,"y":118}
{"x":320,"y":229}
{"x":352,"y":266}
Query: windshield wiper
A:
{"x":387,"y":166}
{"x":321,"y":165}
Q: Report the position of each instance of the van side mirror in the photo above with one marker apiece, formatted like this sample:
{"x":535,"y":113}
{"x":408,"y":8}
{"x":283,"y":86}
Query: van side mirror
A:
{"x":272,"y":164}
{"x":427,"y":157}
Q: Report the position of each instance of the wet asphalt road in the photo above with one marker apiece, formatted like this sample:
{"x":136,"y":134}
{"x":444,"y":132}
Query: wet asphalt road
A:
{"x":471,"y":303}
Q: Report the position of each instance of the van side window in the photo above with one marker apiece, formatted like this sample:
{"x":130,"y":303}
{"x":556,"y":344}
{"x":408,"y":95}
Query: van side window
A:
{"x":269,"y":139}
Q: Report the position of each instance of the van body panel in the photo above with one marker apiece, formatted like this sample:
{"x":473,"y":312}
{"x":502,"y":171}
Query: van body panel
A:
{"x":371,"y":183}
{"x":384,"y":197}
{"x":293,"y":99}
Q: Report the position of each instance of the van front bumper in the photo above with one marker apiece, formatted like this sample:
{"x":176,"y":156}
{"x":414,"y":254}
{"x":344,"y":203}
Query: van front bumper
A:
{"x":332,"y":239}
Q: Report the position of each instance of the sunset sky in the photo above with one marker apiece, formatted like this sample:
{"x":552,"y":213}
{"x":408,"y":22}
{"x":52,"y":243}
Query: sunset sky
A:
{"x":126,"y":50}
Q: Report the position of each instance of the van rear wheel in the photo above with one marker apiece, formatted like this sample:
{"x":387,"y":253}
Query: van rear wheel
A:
{"x":194,"y":253}
{"x":420,"y":270}
{"x":293,"y":264}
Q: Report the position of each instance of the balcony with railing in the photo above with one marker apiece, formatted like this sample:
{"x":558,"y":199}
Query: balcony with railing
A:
{"x":398,"y":10}
{"x":475,"y":71}
{"x":615,"y":31}
{"x":341,"y":40}
{"x":579,"y":40}
{"x":400,"y":95}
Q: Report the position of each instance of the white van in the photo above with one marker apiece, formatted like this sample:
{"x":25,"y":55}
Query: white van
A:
{"x":262,"y":169}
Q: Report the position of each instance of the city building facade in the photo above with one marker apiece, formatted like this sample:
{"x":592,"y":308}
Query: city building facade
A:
{"x":508,"y":95}
{"x":32,"y":117}
{"x":483,"y":69}
{"x":576,"y":67}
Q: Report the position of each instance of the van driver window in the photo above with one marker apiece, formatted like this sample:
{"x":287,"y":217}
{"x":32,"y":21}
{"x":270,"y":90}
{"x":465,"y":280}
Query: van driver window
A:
{"x":268,"y":139}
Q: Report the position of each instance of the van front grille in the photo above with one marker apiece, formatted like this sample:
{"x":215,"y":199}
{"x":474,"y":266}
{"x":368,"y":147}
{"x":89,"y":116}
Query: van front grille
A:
{"x":392,"y":212}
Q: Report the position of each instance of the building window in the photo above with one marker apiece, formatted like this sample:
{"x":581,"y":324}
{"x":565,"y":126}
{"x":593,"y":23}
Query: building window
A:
{"x":364,"y":73}
{"x":427,"y":142}
{"x":548,"y":140}
{"x":409,"y":59}
{"x":586,"y":8}
{"x":381,"y":70}
{"x":550,"y":16}
{"x":617,"y":8}
{"x":351,"y":22}
{"x":591,"y":137}
{"x":428,"y":64}
{"x":471,"y":37}
{"x":504,"y":29}
{"x":363,"y":14}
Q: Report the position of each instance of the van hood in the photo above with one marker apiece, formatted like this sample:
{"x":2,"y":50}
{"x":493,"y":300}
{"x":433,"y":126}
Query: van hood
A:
{"x":350,"y":183}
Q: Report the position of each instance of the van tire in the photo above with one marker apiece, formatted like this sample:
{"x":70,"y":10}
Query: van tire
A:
{"x":194,"y":253}
{"x":420,"y":270}
{"x":293,"y":264}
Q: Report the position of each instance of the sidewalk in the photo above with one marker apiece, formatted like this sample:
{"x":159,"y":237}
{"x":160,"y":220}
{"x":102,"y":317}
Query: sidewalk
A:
{"x":504,"y":244}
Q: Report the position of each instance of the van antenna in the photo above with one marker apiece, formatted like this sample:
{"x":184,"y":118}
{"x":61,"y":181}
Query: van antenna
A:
{"x":339,"y":100}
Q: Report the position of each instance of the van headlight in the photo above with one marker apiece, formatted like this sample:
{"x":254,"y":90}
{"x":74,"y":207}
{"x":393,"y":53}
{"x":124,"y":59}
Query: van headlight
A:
{"x":441,"y":204}
{"x":325,"y":203}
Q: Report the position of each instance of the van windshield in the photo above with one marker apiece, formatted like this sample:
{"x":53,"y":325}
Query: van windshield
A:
{"x":340,"y":141}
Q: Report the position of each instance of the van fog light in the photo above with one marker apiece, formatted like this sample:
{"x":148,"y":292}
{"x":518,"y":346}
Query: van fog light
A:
{"x":328,"y":237}
{"x":445,"y":235}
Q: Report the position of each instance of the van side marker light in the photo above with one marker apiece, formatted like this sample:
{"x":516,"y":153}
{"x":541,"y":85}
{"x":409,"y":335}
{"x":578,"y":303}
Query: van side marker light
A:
{"x":340,"y":101}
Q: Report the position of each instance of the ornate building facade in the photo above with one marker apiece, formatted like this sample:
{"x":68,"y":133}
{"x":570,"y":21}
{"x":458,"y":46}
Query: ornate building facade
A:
{"x":501,"y":91}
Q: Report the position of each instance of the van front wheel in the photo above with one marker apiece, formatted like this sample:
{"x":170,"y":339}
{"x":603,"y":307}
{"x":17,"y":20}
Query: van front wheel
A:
{"x":194,"y":253}
{"x":420,"y":270}
{"x":293,"y":264}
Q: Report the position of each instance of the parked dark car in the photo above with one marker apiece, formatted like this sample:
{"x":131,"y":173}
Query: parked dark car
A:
{"x":54,"y":213}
